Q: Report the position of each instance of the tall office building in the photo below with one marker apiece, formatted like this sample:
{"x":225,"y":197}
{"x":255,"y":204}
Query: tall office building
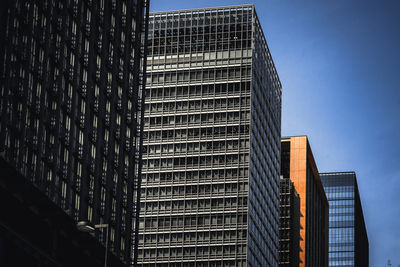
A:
{"x":210,"y":191}
{"x":34,"y":231}
{"x":297,"y":163}
{"x":289,"y":224}
{"x":348,"y":239}
{"x":71,"y":98}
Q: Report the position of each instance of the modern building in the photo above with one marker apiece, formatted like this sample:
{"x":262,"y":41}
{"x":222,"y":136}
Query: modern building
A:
{"x":210,"y":191}
{"x":34,"y":231}
{"x":348,"y":239}
{"x":289,"y":224}
{"x":71,"y":80}
{"x":298,"y":164}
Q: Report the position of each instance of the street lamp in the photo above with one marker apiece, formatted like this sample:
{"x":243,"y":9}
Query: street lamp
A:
{"x":87,"y":227}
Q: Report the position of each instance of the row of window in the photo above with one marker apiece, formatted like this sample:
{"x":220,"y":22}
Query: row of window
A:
{"x":212,"y":90}
{"x":192,"y":237}
{"x":198,"y":205}
{"x":197,"y":252}
{"x":204,"y":75}
{"x":200,"y":263}
{"x":194,"y":176}
{"x":196,"y":161}
{"x":285,"y":201}
{"x":207,"y":17}
{"x":200,"y":34}
{"x":196,"y":133}
{"x":183,"y":120}
{"x":213,"y":59}
{"x":202,"y":147}
{"x":202,"y":47}
{"x":188,"y":190}
{"x":192,"y":221}
{"x":198,"y":63}
{"x":202,"y":206}
{"x":198,"y":105}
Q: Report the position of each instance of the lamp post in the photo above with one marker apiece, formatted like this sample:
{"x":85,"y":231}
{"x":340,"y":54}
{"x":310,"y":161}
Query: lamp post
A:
{"x":87,"y":227}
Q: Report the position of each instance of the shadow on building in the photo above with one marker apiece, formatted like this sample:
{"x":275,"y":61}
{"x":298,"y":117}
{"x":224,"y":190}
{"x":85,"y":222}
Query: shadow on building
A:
{"x":36,"y":232}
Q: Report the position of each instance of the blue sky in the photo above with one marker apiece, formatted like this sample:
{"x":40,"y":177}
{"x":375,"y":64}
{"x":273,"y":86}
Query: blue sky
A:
{"x":339,"y":64}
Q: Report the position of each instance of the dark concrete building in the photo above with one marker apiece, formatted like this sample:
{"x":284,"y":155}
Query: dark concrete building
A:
{"x":71,"y":80}
{"x":298,"y":164}
{"x":348,"y":239}
{"x":34,"y":231}
{"x":210,"y":192}
{"x":289,"y":224}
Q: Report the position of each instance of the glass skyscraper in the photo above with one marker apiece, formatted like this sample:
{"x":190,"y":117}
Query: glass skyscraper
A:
{"x":348,"y":240}
{"x":210,"y":191}
{"x":72,"y":77}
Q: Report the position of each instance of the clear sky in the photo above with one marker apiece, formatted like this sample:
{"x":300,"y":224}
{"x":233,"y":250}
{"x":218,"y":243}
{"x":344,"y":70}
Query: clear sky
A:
{"x":339,"y":64}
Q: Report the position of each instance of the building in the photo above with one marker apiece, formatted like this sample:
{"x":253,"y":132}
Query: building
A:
{"x":298,"y":164}
{"x":348,"y":239}
{"x":289,"y":224}
{"x":71,"y":106}
{"x":210,"y":191}
{"x":34,"y":231}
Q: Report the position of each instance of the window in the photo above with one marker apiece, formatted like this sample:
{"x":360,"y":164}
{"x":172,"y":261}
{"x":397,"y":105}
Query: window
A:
{"x":79,"y":169}
{"x":90,"y":213}
{"x":93,"y":151}
{"x":63,"y":189}
{"x":67,"y":123}
{"x":88,"y":15}
{"x":95,"y":121}
{"x":80,"y":137}
{"x":77,"y":200}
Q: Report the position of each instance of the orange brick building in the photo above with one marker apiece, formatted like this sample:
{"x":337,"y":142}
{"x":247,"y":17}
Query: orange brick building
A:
{"x":297,"y":163}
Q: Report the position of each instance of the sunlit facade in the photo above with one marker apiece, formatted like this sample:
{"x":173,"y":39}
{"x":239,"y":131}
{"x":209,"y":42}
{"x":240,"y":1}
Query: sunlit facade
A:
{"x":210,"y":191}
{"x":298,"y":165}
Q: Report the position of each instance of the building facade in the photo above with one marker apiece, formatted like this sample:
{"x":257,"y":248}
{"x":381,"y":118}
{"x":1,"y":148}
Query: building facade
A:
{"x":298,"y":164}
{"x":71,"y":106}
{"x":34,"y":231}
{"x":210,"y":191}
{"x":289,"y":224}
{"x":348,"y":239}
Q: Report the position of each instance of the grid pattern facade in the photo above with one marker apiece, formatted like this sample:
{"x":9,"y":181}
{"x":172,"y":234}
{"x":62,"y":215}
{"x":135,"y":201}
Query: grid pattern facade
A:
{"x":348,"y":241}
{"x":71,"y":97}
{"x":210,"y":192}
{"x":289,"y":224}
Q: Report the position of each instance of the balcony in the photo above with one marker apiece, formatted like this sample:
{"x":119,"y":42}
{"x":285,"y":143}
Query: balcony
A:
{"x":116,"y":161}
{"x":80,"y":151}
{"x":98,"y":75}
{"x":99,"y":45}
{"x":73,"y":42}
{"x":94,"y":135}
{"x":82,"y":121}
{"x":84,"y":90}
{"x":86,"y":59}
{"x":118,"y":134}
{"x":112,"y":33}
{"x":66,"y":139}
{"x":108,"y":90}
{"x":119,"y":105}
{"x":87,"y":29}
{"x":96,"y":105}
{"x":105,"y":150}
{"x":107,"y":119}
